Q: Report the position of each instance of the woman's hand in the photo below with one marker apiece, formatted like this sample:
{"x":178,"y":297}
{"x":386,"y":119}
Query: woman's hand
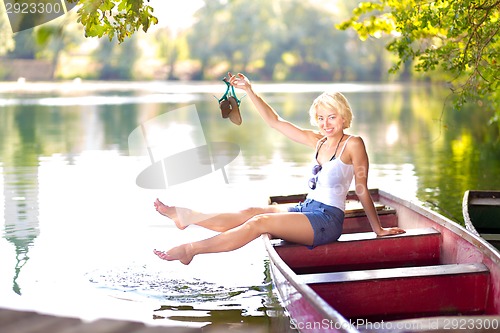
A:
{"x":390,"y":231}
{"x":288,"y":129}
{"x":240,"y":81}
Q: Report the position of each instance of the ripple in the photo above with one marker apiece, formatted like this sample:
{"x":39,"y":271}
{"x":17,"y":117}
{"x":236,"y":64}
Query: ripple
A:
{"x":144,"y":282}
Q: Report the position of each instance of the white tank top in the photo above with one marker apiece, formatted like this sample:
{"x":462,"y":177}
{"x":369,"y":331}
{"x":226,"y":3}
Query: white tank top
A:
{"x":333,"y":181}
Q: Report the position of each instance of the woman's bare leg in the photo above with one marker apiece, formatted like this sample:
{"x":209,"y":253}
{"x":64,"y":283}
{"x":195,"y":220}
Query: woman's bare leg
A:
{"x":183,"y":217}
{"x":293,"y":227}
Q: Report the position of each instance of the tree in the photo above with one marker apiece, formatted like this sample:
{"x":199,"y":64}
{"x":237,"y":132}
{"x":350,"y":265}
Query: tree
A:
{"x":208,"y":32}
{"x":459,"y":37}
{"x":6,"y":38}
{"x":120,"y":18}
{"x":236,"y":33}
{"x":24,"y":46}
{"x":117,"y":61}
{"x":56,"y":37}
{"x":314,"y":49}
{"x":292,"y":40}
{"x":169,"y":48}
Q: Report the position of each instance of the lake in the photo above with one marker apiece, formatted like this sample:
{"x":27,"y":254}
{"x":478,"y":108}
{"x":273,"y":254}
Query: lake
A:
{"x":79,"y":228}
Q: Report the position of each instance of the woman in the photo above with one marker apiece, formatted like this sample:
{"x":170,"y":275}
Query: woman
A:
{"x":338,"y":158}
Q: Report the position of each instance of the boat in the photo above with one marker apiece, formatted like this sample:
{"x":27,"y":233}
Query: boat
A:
{"x":437,"y":275}
{"x":481,"y":211}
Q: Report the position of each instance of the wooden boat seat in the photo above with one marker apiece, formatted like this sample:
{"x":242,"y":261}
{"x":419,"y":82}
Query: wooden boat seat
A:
{"x":356,"y":221}
{"x":357,"y":251}
{"x":404,"y":292}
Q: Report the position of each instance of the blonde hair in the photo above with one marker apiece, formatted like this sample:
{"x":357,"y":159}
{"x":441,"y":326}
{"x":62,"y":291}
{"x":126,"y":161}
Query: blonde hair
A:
{"x":333,"y":101}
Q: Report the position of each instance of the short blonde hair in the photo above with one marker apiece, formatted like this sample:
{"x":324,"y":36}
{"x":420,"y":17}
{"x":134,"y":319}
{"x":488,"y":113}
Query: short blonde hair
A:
{"x":331,"y":101}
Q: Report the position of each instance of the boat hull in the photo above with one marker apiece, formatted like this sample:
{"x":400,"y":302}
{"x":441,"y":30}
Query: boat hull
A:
{"x":481,"y":211}
{"x":308,"y":312}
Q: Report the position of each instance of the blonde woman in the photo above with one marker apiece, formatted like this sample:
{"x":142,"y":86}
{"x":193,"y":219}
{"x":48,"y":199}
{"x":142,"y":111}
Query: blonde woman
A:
{"x":337,"y":158}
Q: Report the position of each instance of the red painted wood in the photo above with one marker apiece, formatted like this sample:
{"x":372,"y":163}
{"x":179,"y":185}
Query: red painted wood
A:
{"x":458,"y":245}
{"x":361,"y":223}
{"x":410,"y":296}
{"x":365,"y":251}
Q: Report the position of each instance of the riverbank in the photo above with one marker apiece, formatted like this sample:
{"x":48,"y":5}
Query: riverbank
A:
{"x":13,"y":321}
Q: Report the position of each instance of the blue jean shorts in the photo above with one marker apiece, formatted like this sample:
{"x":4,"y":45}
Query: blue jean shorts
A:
{"x":325,"y":220}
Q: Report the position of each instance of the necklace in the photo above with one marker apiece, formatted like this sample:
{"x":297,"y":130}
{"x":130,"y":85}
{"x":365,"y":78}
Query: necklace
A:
{"x":338,"y":144}
{"x":323,"y":142}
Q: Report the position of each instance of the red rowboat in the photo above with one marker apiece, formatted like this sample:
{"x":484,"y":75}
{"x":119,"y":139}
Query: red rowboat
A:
{"x":437,"y":275}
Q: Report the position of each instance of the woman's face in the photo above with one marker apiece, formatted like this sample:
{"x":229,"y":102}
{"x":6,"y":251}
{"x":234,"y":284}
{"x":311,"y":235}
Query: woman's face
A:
{"x":329,"y":122}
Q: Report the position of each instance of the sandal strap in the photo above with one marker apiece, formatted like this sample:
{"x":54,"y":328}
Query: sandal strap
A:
{"x":224,"y":97}
{"x":229,"y":92}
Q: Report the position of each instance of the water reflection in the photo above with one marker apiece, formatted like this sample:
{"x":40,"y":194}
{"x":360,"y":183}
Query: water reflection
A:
{"x":20,"y":214}
{"x":20,"y":188}
{"x":222,"y":320}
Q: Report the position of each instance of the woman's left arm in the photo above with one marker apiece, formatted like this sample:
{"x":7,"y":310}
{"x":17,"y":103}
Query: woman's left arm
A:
{"x":359,"y":159}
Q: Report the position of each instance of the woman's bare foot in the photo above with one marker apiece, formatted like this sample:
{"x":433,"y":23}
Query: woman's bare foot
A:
{"x":180,"y":253}
{"x":172,"y":213}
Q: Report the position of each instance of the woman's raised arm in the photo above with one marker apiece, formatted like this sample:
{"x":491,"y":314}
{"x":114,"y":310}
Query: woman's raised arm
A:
{"x":290,"y":130}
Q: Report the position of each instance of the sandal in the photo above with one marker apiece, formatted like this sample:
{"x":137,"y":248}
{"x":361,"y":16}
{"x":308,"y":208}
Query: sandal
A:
{"x":229,"y":104}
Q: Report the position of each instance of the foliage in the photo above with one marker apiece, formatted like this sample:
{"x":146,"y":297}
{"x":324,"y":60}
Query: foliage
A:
{"x":54,"y":38}
{"x":6,"y":38}
{"x":237,"y":33}
{"x":270,"y":40}
{"x":279,"y":40}
{"x":459,"y":37}
{"x":25,"y":47}
{"x":116,"y":61}
{"x":120,"y":18}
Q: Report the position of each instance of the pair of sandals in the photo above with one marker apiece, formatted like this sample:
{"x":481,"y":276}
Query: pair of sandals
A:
{"x":229,"y":104}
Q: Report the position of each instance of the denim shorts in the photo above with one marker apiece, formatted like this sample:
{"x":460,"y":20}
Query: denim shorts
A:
{"x":325,"y":220}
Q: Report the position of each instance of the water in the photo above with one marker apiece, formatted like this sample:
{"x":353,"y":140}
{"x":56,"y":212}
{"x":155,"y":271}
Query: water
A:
{"x":78,"y":233}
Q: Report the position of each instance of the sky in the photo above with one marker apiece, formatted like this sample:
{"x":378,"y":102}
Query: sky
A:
{"x":175,"y":14}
